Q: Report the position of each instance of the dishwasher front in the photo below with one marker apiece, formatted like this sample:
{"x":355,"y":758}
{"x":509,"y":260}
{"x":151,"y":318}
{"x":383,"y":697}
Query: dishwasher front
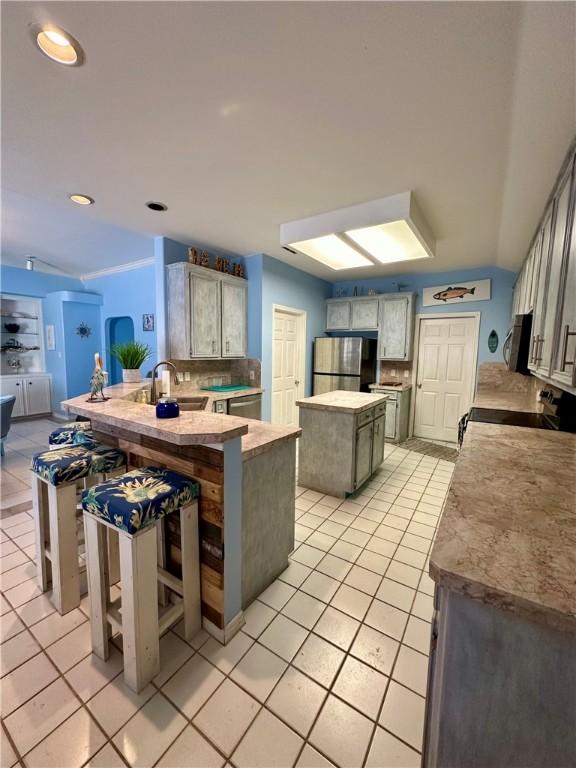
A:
{"x":249,"y":406}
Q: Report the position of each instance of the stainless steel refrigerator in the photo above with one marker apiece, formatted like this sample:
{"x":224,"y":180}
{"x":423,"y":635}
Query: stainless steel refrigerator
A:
{"x":344,"y":362}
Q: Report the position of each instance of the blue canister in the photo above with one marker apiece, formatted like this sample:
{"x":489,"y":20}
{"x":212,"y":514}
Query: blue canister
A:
{"x":167,"y":408}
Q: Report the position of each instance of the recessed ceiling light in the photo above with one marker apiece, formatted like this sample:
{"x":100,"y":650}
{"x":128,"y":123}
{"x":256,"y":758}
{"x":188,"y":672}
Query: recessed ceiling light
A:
{"x":81,"y":199}
{"x":58,"y":45}
{"x":155,"y":206}
{"x":383,"y":231}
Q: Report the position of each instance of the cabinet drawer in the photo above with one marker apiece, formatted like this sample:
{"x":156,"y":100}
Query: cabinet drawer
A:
{"x":380,"y":409}
{"x":365,"y":417}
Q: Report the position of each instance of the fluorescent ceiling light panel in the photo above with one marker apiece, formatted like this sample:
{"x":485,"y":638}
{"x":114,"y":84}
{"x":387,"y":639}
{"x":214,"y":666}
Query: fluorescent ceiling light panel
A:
{"x":333,"y":252}
{"x":390,"y":242}
{"x":382,"y":231}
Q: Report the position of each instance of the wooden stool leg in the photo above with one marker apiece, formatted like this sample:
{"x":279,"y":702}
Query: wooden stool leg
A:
{"x":40,"y":512}
{"x":113,"y":556}
{"x":161,"y":560}
{"x":140,"y":639}
{"x":190,"y":570}
{"x":98,"y":584}
{"x":64,"y":547}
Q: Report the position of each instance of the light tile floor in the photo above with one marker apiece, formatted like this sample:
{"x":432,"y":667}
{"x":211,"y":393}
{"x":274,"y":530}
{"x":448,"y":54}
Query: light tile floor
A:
{"x":329,"y":669}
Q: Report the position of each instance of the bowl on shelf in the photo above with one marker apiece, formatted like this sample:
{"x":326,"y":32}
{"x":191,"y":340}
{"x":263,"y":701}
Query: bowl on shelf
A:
{"x":12,"y":327}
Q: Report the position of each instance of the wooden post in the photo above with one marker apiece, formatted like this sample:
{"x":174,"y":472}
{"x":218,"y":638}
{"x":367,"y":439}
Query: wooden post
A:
{"x":191,"y":570}
{"x":40,"y":512}
{"x":95,"y":534}
{"x":139,"y":576}
{"x":64,"y":547}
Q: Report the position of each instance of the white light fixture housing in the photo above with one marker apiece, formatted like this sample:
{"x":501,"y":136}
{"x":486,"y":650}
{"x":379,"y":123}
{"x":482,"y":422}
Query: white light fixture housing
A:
{"x":57,"y":44}
{"x":383,"y":231}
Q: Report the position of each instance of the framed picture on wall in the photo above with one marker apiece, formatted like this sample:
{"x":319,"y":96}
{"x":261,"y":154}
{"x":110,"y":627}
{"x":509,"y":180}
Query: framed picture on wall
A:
{"x":147,"y":322}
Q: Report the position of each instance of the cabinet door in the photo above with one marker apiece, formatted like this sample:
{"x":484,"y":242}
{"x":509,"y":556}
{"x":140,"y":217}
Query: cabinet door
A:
{"x":338,"y":315}
{"x":363,"y":466}
{"x":204,"y":316}
{"x":391,"y":410}
{"x":547,"y":340}
{"x":378,"y":441}
{"x":15,"y":387}
{"x":565,"y":355}
{"x":540,"y":280}
{"x":233,"y":320}
{"x":365,"y":315}
{"x":394,"y":329}
{"x":38,"y":398}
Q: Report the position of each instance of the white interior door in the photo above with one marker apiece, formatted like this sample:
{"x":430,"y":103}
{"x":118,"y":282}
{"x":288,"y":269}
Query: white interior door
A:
{"x":287,"y":365}
{"x":445,"y":375}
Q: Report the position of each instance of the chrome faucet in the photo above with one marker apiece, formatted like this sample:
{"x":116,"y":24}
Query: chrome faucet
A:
{"x":153,"y":396}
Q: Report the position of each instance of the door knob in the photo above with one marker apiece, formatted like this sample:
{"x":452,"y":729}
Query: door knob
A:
{"x":296,"y":382}
{"x":419,"y":386}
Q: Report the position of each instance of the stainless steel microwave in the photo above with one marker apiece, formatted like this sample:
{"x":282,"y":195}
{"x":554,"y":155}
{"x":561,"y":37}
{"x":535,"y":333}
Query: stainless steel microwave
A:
{"x":516,"y":347}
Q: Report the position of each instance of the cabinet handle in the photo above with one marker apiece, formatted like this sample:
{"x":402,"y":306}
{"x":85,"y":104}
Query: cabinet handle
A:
{"x":17,"y":383}
{"x":227,"y":346}
{"x":532,"y":349}
{"x":566,"y":335}
{"x":213,"y":346}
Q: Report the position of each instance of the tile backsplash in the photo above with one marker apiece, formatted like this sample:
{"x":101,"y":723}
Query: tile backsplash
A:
{"x":395,"y":372}
{"x":208,"y":373}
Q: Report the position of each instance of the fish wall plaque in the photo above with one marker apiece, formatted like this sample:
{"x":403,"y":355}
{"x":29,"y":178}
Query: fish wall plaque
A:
{"x":457,"y":293}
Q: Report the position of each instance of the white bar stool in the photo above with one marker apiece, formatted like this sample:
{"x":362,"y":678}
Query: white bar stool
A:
{"x":54,"y":477}
{"x":134,"y":505}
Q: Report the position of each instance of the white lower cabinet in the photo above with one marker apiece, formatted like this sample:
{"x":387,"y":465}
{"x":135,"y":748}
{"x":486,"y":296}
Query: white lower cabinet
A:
{"x":363,"y":467}
{"x":397,"y":413}
{"x":32,"y":393}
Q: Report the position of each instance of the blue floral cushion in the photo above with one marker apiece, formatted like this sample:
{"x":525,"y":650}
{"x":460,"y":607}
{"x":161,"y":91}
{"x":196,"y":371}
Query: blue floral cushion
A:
{"x":65,"y":434}
{"x":73,"y":462}
{"x":139,"y":498}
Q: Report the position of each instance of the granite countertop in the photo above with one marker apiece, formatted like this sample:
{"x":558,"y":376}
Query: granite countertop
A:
{"x":341,"y":400}
{"x":401,"y":386}
{"x":190,"y":428}
{"x":507,"y":535}
{"x":507,"y":401}
{"x":262,"y":436}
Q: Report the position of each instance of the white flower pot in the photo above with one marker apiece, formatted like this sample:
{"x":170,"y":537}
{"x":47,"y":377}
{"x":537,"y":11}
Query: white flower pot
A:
{"x":131,"y":375}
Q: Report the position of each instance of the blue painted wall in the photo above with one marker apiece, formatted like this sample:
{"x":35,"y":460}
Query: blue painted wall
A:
{"x":72,"y":361}
{"x":128,"y":294}
{"x":80,"y":351}
{"x":494,"y":314}
{"x":38,"y":284}
{"x":272,"y":282}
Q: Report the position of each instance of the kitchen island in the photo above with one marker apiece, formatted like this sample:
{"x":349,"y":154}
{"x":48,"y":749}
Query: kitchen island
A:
{"x":502,"y":675}
{"x":342,"y":441}
{"x":247,"y":476}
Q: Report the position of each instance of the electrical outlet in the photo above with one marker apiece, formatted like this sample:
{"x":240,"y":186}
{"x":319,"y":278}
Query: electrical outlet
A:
{"x":406,"y":374}
{"x":251,"y":375}
{"x":393,"y":372}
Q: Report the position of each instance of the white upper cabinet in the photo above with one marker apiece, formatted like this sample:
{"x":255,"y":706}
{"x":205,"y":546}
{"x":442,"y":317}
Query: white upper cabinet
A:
{"x":233,"y":319}
{"x":557,"y":239}
{"x":365,"y":315}
{"x":540,"y":287}
{"x":396,"y":326}
{"x":204,"y":316}
{"x":207,"y":315}
{"x":564,"y":363}
{"x":547,"y":286}
{"x":338,"y":315}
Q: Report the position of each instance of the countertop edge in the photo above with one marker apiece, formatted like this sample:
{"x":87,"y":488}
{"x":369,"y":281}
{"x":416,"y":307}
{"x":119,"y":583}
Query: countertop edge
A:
{"x":501,"y":600}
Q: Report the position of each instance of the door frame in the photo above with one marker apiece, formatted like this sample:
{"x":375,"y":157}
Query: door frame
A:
{"x":300,"y":315}
{"x":440,"y":316}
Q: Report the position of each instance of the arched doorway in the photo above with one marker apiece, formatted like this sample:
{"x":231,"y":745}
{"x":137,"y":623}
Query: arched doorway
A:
{"x":119,"y":330}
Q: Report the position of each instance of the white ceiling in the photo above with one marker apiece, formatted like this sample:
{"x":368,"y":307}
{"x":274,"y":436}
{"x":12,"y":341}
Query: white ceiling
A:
{"x":242,"y":116}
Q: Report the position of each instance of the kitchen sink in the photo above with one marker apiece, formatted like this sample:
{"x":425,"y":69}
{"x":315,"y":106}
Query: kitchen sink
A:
{"x":186,"y":402}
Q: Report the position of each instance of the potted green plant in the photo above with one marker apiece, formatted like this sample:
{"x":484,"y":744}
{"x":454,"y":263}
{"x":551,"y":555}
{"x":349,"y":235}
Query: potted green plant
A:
{"x":131,"y":355}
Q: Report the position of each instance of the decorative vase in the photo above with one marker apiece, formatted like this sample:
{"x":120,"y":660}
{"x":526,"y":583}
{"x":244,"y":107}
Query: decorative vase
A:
{"x":131,"y":375}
